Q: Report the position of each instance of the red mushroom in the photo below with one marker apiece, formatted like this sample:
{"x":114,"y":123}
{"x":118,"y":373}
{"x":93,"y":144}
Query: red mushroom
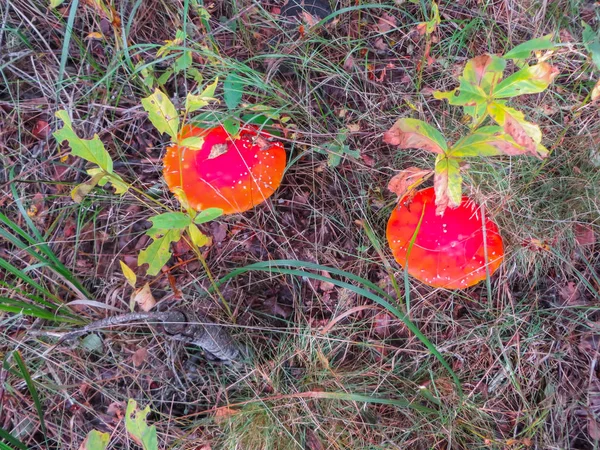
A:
{"x":234,"y":174}
{"x":449,"y":250}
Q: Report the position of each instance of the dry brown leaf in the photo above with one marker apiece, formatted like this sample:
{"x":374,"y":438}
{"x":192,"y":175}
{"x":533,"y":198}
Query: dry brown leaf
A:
{"x":594,"y":408}
{"x":139,"y":356}
{"x":312,"y":441}
{"x":596,"y":91}
{"x":326,"y":286}
{"x":386,"y":22}
{"x":41,"y":129}
{"x":382,"y":324}
{"x":584,"y":234}
{"x":223,"y":413}
{"x":406,"y":180}
{"x":217,"y":150}
{"x":144,"y":299}
{"x":570,"y":294}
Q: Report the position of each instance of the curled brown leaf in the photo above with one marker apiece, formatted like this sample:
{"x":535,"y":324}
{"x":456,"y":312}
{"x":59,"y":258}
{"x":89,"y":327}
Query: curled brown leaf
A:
{"x":407,"y":180}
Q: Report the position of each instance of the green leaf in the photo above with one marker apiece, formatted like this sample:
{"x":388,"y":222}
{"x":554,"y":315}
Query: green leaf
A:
{"x":447,"y":183}
{"x":158,"y":253}
{"x":232,"y":126}
{"x":138,"y":429}
{"x":196,"y":102}
{"x":170,"y":221}
{"x":56,"y":3}
{"x":524,"y":50}
{"x":193,"y":142}
{"x":529,"y":80}
{"x":114,"y":179}
{"x":207,"y":215}
{"x":183,"y":62}
{"x":414,"y":133}
{"x":197,"y":236}
{"x":591,"y":42}
{"x":96,"y":440}
{"x":162,"y":113}
{"x":525,"y":134}
{"x":233,"y":89}
{"x":165,"y":76}
{"x":91,"y":150}
{"x":467,"y":94}
{"x":486,"y":141}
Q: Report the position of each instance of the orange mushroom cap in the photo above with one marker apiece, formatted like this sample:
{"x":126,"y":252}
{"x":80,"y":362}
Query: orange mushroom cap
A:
{"x":234,"y":174}
{"x":449,"y":250}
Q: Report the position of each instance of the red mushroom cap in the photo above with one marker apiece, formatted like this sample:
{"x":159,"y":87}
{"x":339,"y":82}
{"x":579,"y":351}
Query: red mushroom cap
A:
{"x":448,"y":250}
{"x":232,"y":174}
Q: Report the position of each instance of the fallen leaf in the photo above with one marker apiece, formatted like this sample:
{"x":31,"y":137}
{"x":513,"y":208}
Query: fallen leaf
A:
{"x":382,"y":324}
{"x":41,"y":129}
{"x":116,"y":409}
{"x":584,"y":234}
{"x":139,"y":356}
{"x":596,"y":91}
{"x":223,"y":413}
{"x":326,"y":286}
{"x":144,"y":299}
{"x":217,"y":150}
{"x":406,"y":180}
{"x":312,"y":441}
{"x":570,"y":294}
{"x":386,"y":22}
{"x":593,"y":396}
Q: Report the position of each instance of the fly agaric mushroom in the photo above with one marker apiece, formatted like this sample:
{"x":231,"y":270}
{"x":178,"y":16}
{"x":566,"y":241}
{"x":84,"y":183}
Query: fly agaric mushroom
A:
{"x":234,"y":174}
{"x":449,"y":250}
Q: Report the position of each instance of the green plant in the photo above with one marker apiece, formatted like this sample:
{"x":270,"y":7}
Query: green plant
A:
{"x":483,"y":94}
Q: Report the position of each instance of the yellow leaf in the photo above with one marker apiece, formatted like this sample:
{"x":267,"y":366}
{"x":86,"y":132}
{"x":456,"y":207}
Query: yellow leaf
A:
{"x":129,"y":274}
{"x":95,"y":35}
{"x":197,"y":236}
{"x":162,"y":113}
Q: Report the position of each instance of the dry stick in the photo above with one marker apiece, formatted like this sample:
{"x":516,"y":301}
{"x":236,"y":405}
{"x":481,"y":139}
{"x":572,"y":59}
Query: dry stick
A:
{"x":178,"y":324}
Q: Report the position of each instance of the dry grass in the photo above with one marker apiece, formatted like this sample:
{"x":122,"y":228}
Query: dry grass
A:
{"x":525,"y":356}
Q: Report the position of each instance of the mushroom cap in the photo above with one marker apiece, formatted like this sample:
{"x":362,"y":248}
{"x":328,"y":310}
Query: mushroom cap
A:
{"x":234,"y":174}
{"x":449,"y":250}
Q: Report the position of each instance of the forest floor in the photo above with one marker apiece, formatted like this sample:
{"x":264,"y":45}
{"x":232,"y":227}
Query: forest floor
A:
{"x":522,"y":348}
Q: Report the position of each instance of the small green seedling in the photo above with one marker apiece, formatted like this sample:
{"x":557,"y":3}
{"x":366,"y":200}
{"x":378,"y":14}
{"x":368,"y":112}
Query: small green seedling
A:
{"x":483,"y":94}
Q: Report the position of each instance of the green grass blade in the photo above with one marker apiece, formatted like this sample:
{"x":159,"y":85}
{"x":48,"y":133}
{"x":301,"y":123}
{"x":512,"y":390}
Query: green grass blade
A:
{"x":65,"y":47}
{"x":32,"y":390}
{"x":11,"y":440}
{"x":270,"y":266}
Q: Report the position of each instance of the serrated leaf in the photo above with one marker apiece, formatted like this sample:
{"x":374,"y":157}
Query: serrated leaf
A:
{"x":91,"y":150}
{"x":591,"y":42}
{"x":414,"y":133}
{"x":233,"y":89}
{"x":137,"y":427}
{"x":467,"y":94}
{"x":525,"y":134}
{"x":486,"y":141}
{"x":82,"y":190}
{"x":193,"y":142}
{"x":197,"y":236}
{"x":529,"y":80}
{"x":162,"y":113}
{"x":484,"y":71}
{"x":95,"y":440}
{"x":407,"y":180}
{"x":525,"y":49}
{"x":158,"y":253}
{"x":207,"y":215}
{"x":129,"y":274}
{"x":170,"y":221}
{"x":196,"y":102}
{"x":447,"y":183}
